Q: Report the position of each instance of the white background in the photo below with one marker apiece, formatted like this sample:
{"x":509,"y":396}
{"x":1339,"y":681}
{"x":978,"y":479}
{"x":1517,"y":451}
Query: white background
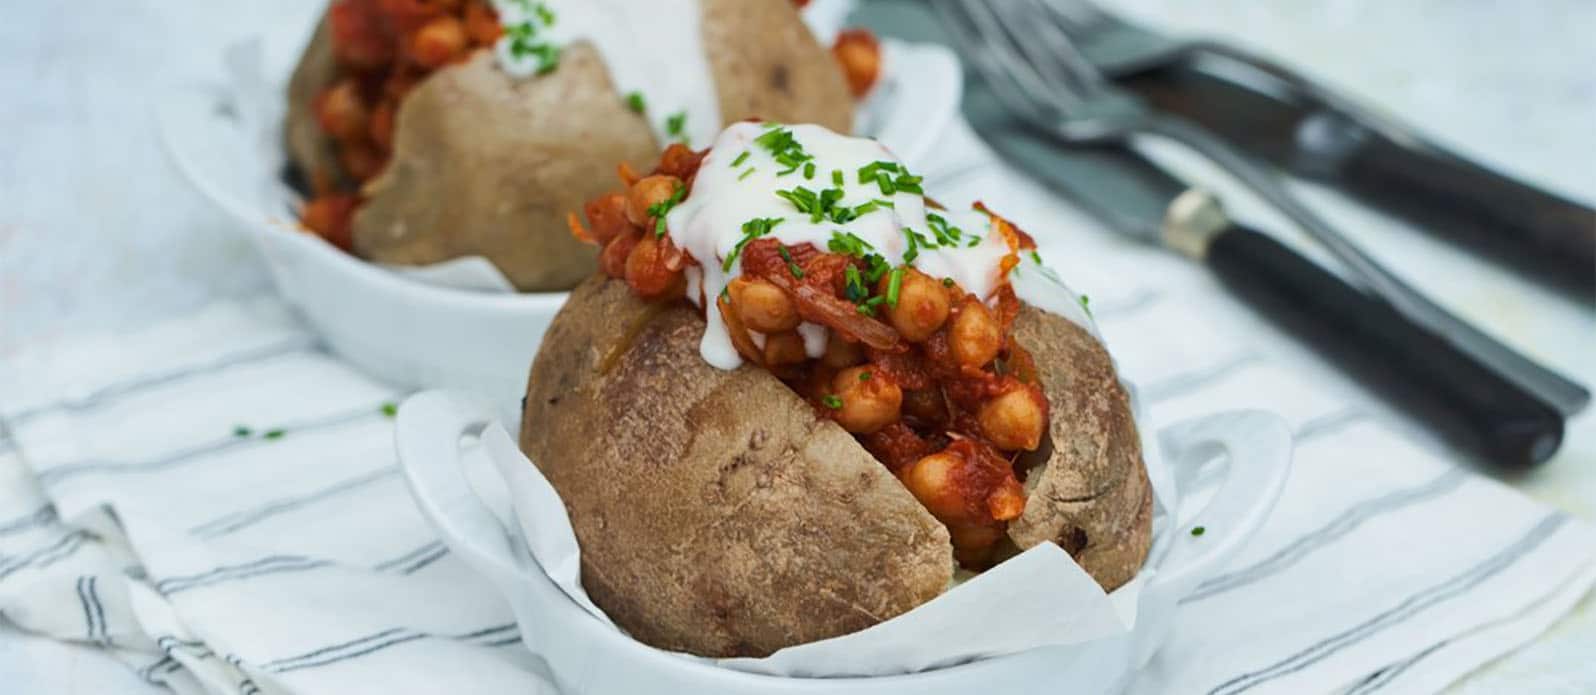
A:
{"x":97,"y":231}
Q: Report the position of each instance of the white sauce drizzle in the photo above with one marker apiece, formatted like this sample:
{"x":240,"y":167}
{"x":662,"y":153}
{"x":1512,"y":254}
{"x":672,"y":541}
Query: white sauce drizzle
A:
{"x":708,"y":225}
{"x":654,"y":48}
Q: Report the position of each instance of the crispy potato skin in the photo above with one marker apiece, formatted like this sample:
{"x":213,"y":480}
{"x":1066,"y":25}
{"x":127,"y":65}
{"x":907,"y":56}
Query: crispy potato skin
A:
{"x":1091,"y":496}
{"x":766,"y":64}
{"x":308,"y":146}
{"x":487,"y":165}
{"x":717,"y":514}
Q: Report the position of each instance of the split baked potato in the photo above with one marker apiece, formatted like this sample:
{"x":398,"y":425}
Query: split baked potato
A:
{"x":419,"y":148}
{"x":810,"y":493}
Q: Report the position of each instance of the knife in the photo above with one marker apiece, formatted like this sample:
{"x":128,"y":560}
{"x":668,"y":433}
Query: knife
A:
{"x":1469,"y":404}
{"x":1544,"y":236}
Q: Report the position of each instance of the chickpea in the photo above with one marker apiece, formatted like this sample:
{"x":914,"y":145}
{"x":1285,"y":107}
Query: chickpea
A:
{"x":645,"y":269}
{"x":784,"y":348}
{"x":763,"y":307}
{"x":974,"y":335}
{"x":482,"y":23}
{"x":438,"y":41}
{"x":606,"y":215}
{"x":342,"y":113}
{"x":1013,"y":420}
{"x":932,"y":481}
{"x":869,"y":401}
{"x":646,"y":193}
{"x":922,"y":305}
{"x":860,"y":57}
{"x":841,"y":352}
{"x":612,"y":260}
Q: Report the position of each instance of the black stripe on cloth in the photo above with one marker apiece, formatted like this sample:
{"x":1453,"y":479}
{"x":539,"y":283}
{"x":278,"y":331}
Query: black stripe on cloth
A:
{"x":416,"y":559}
{"x":44,"y":557}
{"x":1379,"y":679}
{"x":407,"y":563}
{"x":268,"y":565}
{"x":165,"y":665}
{"x":170,"y":643}
{"x":1187,"y":382}
{"x":247,"y":685}
{"x":242,"y":519}
{"x":55,"y":475}
{"x":99,"y":612}
{"x":295,"y":344}
{"x":1344,"y":523}
{"x":91,"y":630}
{"x":377,"y":642}
{"x":39,"y":517}
{"x":1414,"y":604}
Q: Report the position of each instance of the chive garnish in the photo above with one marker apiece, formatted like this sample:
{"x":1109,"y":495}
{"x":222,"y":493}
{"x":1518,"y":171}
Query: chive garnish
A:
{"x":658,"y":210}
{"x":831,"y":401}
{"x":1086,"y":305}
{"x":864,"y":375}
{"x":809,"y":170}
{"x":740,"y":159}
{"x":854,"y":285}
{"x":791,"y":266}
{"x":947,"y":282}
{"x":752,"y":229}
{"x":1198,"y":530}
{"x":390,"y":409}
{"x":894,"y":283}
{"x":836,"y":177}
{"x":676,"y":126}
{"x":635,"y":101}
{"x":241,"y":431}
{"x":274,"y":434}
{"x":746,"y":173}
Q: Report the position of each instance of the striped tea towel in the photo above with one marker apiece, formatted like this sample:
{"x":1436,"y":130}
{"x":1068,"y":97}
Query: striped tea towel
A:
{"x":214,"y":502}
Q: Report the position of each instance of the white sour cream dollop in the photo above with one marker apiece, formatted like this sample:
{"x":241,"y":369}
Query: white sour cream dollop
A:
{"x":654,"y":49}
{"x":740,"y":179}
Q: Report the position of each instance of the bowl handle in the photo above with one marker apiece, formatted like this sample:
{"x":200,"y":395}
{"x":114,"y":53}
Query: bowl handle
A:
{"x":1258,"y":447}
{"x":427,"y":436}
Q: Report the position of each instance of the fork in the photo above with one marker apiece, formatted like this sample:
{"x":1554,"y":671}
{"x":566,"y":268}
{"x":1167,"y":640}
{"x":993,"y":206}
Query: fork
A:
{"x":1034,"y":68}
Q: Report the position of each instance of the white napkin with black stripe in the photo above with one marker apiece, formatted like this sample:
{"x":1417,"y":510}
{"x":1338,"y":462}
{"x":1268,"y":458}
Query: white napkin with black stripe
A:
{"x":213,"y":502}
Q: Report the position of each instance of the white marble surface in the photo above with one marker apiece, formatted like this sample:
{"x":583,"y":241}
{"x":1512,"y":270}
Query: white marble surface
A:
{"x":97,"y":231}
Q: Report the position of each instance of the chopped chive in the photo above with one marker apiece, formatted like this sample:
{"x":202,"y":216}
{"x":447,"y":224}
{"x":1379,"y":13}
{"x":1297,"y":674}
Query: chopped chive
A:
{"x":1198,"y":530}
{"x":390,"y":409}
{"x":676,"y":126}
{"x":894,"y":283}
{"x":836,"y":177}
{"x":740,"y":159}
{"x":864,"y":375}
{"x":885,"y":184}
{"x":831,"y":401}
{"x":242,"y":431}
{"x":746,"y":173}
{"x":1086,"y":305}
{"x":913,"y":252}
{"x":659,"y":210}
{"x":947,"y":282}
{"x":1036,"y":257}
{"x":791,"y":266}
{"x":274,"y":434}
{"x":752,"y":229}
{"x":809,"y":170}
{"x":635,"y":101}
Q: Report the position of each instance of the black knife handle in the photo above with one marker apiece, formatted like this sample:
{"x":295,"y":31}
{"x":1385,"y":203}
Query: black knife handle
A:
{"x":1503,"y":216}
{"x":1475,"y":408}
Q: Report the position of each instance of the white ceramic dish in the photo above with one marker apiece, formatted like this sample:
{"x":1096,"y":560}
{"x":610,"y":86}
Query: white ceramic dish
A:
{"x":589,"y":656}
{"x":227,"y":142}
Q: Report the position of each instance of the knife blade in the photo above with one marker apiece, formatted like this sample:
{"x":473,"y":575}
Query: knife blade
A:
{"x":1465,"y":401}
{"x":1544,"y":236}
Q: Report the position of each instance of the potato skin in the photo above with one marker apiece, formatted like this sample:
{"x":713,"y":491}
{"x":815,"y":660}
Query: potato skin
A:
{"x":485,"y":164}
{"x":308,"y":147}
{"x":717,"y":514}
{"x":1091,"y":495}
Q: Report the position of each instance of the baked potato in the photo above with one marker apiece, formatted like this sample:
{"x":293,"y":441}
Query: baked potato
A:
{"x":419,"y":146}
{"x":837,"y":477}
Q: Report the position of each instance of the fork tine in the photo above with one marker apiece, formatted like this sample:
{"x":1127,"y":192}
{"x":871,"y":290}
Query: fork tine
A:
{"x":981,"y":50}
{"x":1016,"y":20}
{"x":1062,"y":47}
{"x":1079,"y":17}
{"x":1035,"y":31}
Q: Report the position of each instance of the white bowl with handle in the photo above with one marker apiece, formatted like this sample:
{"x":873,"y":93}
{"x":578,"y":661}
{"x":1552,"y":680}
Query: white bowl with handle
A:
{"x":587,"y":655}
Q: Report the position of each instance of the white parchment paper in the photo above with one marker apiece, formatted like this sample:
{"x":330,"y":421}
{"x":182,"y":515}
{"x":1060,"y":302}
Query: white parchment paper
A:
{"x":1038,"y":598}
